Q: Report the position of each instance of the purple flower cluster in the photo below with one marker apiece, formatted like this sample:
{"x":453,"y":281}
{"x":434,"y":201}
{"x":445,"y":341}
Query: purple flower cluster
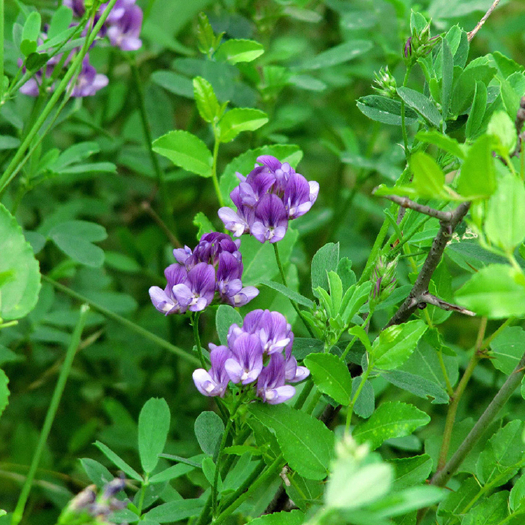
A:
{"x":215,"y":266}
{"x":259,"y":351}
{"x":122,"y":27}
{"x":270,"y":196}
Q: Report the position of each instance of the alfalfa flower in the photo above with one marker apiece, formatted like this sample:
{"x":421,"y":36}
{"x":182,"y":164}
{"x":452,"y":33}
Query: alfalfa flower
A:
{"x":272,"y":194}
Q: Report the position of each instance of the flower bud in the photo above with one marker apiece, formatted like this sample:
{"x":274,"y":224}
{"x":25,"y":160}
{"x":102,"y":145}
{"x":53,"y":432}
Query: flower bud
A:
{"x":386,"y":84}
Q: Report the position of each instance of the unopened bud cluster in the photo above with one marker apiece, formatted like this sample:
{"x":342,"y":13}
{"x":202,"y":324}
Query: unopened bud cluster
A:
{"x":384,"y":279}
{"x":386,"y":84}
{"x":419,"y":44}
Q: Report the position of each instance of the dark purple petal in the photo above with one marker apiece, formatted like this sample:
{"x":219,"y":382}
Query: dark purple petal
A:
{"x":175,"y":274}
{"x":271,"y":383}
{"x":271,"y":219}
{"x":270,"y":162}
{"x":88,"y":81}
{"x":297,"y":196}
{"x":248,"y":357}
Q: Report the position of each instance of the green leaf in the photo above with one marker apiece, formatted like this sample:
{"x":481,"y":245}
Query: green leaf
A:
{"x":174,"y":83}
{"x":19,"y":293}
{"x":429,"y":179}
{"x":306,"y":443}
{"x":362,"y":335}
{"x":517,"y":494}
{"x":507,"y":349}
{"x":385,"y":110}
{"x":96,"y":472}
{"x":338,"y":54}
{"x":447,"y":77}
{"x":336,"y":291}
{"x":421,"y":104}
{"x":491,"y":511}
{"x":496,"y":291}
{"x":207,"y":103}
{"x":325,"y":260}
{"x":295,"y":517}
{"x":351,"y":486}
{"x":331,"y":376}
{"x":239,"y":50}
{"x":203,"y":223}
{"x":175,"y":510}
{"x":60,"y":21}
{"x":477,"y":179}
{"x":287,"y":292}
{"x":396,"y":343}
{"x":4,"y":391}
{"x":154,"y":424}
{"x":365,"y":403}
{"x":259,"y":259}
{"x":118,"y":461}
{"x":477,"y":111}
{"x":75,"y":239}
{"x":209,"y":429}
{"x":502,"y":451}
{"x":505,"y":219}
{"x":443,"y":142}
{"x":238,"y":120}
{"x":32,"y":25}
{"x":185,"y":150}
{"x":176,"y":471}
{"x":390,"y":420}
{"x":477,"y":70}
{"x":408,"y":500}
{"x":28,"y":47}
{"x":502,"y":127}
{"x":411,"y":471}
{"x":226,"y":316}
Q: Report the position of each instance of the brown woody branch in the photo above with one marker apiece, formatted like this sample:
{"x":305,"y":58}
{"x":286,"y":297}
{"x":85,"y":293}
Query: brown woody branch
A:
{"x":419,"y":295}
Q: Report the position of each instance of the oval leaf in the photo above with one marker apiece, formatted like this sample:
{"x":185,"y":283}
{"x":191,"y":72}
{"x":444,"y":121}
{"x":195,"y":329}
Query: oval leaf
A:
{"x":390,"y":420}
{"x":20,"y":283}
{"x":331,"y":376}
{"x":238,"y":120}
{"x":154,"y":424}
{"x":185,"y":150}
{"x":239,"y":50}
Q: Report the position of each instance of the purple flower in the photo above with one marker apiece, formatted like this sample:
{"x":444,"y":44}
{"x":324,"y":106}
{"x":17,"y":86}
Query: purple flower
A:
{"x":215,"y":381}
{"x":215,"y":265}
{"x":247,"y":361}
{"x":198,"y":291}
{"x":271,"y":220}
{"x":164,"y":300}
{"x":294,"y":373}
{"x":271,"y":385}
{"x":271,"y":195}
{"x":77,"y":6}
{"x":88,"y":81}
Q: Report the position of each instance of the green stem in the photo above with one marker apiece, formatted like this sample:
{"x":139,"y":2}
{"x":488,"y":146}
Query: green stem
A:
{"x":125,"y":322}
{"x":50,"y":416}
{"x":167,"y":208}
{"x":15,"y":165}
{"x":303,"y":396}
{"x":348,"y":348}
{"x":225,"y":434}
{"x":350,"y":412}
{"x":458,"y":394}
{"x":403,"y":123}
{"x":196,"y":337}
{"x":143,"y":487}
{"x":450,"y":390}
{"x":214,"y":168}
{"x":283,"y":278}
{"x":254,"y":481}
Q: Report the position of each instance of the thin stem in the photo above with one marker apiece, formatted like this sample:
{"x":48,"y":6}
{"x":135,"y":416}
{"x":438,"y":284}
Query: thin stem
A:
{"x":403,"y":123}
{"x":303,"y":396}
{"x":146,"y":206}
{"x":450,"y":390}
{"x":214,"y":168}
{"x":458,"y":394}
{"x":472,"y":34}
{"x":167,"y":208}
{"x":348,"y":348}
{"x":50,"y":416}
{"x":15,"y":165}
{"x":225,"y":435}
{"x":254,"y":481}
{"x":405,"y":202}
{"x":125,"y":322}
{"x":283,"y":278}
{"x":350,"y":412}
{"x":442,"y":477}
{"x":196,"y":337}
{"x":143,"y":487}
